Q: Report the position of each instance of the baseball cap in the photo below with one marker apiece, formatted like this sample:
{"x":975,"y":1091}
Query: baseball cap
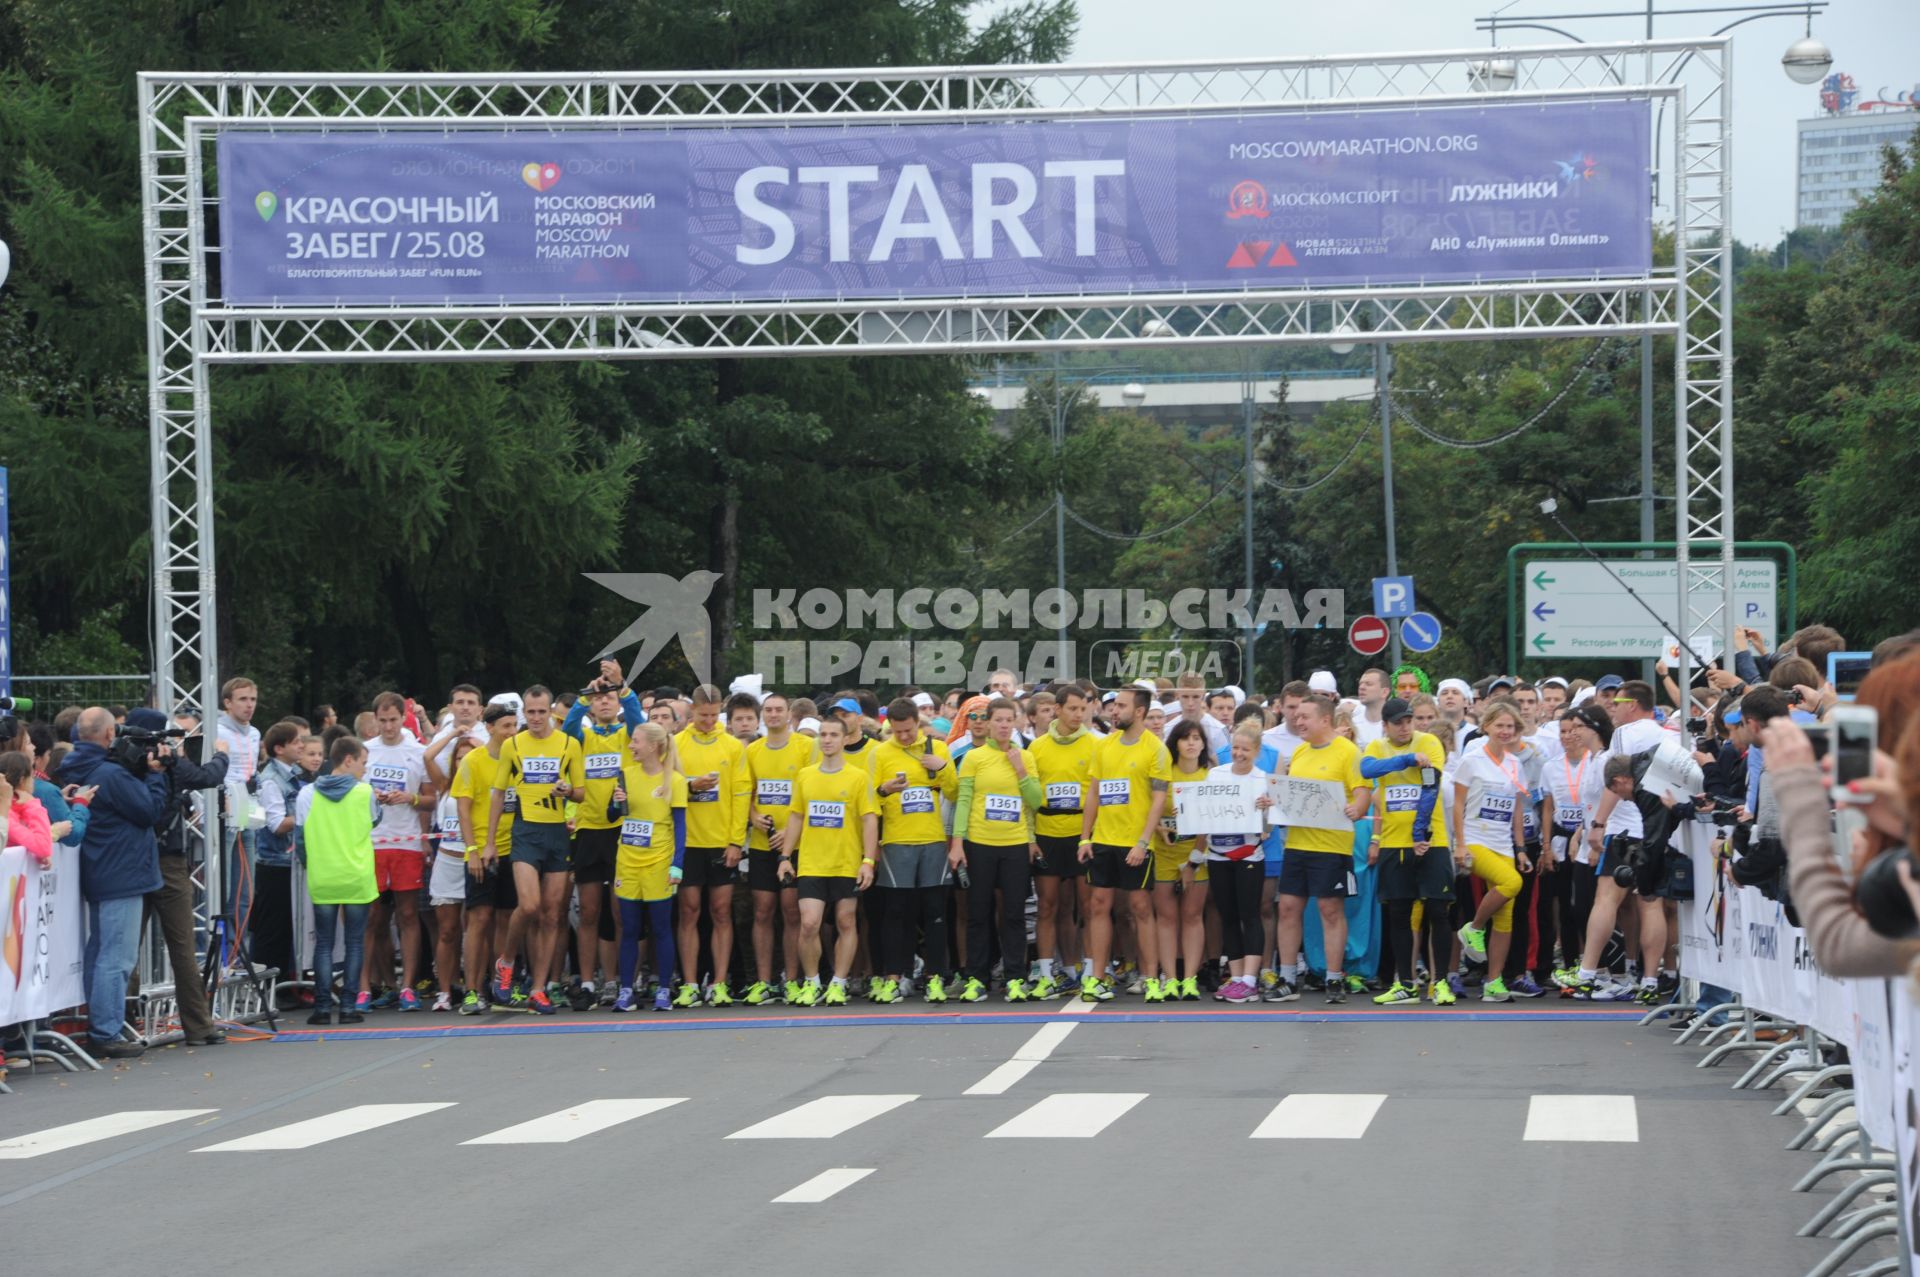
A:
{"x":1239,"y":697}
{"x":807,"y":725}
{"x":1554,"y":681}
{"x":848,"y":704}
{"x":1497,"y":682}
{"x":1323,"y":681}
{"x":1608,"y":682}
{"x":1394,"y":710}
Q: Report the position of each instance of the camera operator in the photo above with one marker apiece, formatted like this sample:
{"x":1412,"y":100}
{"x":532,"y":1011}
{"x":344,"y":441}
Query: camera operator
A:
{"x":119,"y":865}
{"x":173,"y":902}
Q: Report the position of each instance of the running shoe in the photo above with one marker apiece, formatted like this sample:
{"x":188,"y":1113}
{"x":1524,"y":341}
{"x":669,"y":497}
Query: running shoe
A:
{"x":1420,"y":975}
{"x":1455,"y":984}
{"x":363,"y":1002}
{"x":581,"y":997}
{"x":1606,"y":991}
{"x":623,"y":1001}
{"x":472,"y":1004}
{"x":1356,"y":984}
{"x":1237,"y":991}
{"x":1313,"y":982}
{"x":608,"y":993}
{"x":1268,"y":980}
{"x":1336,"y":992}
{"x":443,"y":1002}
{"x":885,"y":992}
{"x":388,"y":999}
{"x":1566,"y":977}
{"x":719,"y":995}
{"x":661,"y":1002}
{"x":1096,"y":991}
{"x":1648,"y":995}
{"x":540,"y":1002}
{"x":936,"y":989}
{"x":517,"y":999}
{"x":1153,"y":991}
{"x":974,"y":991}
{"x":1474,"y":941}
{"x":1017,"y":990}
{"x":1441,"y":994}
{"x":836,"y":995}
{"x":758,"y":994}
{"x":1496,"y":991}
{"x":1137,"y":984}
{"x":1190,"y":989}
{"x":1045,"y":989}
{"x":689,"y":996}
{"x":556,"y":992}
{"x":503,"y":989}
{"x":1524,"y":987}
{"x":1282,"y":991}
{"x":408,"y":1000}
{"x":805,"y":995}
{"x":1395,"y":995}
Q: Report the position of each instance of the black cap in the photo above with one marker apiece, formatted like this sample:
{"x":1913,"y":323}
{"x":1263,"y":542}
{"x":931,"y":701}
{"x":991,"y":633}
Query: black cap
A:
{"x":1394,"y":710}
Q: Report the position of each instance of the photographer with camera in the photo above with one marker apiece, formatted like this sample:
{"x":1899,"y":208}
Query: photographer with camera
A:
{"x":172,"y":903}
{"x":119,"y":865}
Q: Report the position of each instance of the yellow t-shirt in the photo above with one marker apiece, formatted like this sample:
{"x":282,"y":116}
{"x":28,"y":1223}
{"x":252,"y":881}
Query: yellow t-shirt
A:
{"x":1167,"y":842}
{"x":473,"y":781}
{"x":1400,"y":791}
{"x":912,"y":815}
{"x":716,"y":817}
{"x":832,"y":807}
{"x":646,"y":835}
{"x":1062,"y":768}
{"x":531,"y":767}
{"x":1120,"y":783}
{"x":602,"y":756}
{"x":773,"y":771}
{"x":1337,"y":761}
{"x":997,"y":816}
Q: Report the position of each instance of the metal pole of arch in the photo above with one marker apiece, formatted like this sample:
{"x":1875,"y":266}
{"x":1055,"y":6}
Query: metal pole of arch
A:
{"x":1383,"y":376}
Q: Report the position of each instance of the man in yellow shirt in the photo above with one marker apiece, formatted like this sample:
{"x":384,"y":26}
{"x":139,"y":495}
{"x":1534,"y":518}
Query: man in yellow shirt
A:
{"x":1126,"y":791}
{"x":912,"y":773}
{"x":1410,"y":848}
{"x":773,"y":761}
{"x":1062,"y":755}
{"x":542,"y":767}
{"x":834,"y":829}
{"x":719,"y":792}
{"x":490,"y":892}
{"x":1319,"y":862}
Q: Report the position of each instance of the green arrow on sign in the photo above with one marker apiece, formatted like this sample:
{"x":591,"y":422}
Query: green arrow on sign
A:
{"x":1541,"y":580}
{"x":1541,"y":642}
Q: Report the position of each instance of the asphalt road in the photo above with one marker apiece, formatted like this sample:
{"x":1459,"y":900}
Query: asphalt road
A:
{"x":1194,"y":1141}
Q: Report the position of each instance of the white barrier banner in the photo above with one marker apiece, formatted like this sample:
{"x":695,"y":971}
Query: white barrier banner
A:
{"x":41,"y":941}
{"x":1906,"y":1108}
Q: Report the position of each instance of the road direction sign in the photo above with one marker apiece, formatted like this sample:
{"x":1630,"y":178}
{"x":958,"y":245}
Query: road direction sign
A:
{"x":1393,"y":595}
{"x":1420,"y":632}
{"x":1368,"y":635}
{"x":1577,"y":608}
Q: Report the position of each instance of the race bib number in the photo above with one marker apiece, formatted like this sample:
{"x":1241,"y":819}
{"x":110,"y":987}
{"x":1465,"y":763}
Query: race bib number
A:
{"x":450,"y":827}
{"x":704,"y":795}
{"x":1496,"y":808}
{"x":636,"y":833}
{"x":1572,"y":816}
{"x":1403,"y":797}
{"x":1003,"y":807}
{"x":1116,"y":793}
{"x":512,"y":802}
{"x":387,"y":778}
{"x":1063,"y":795}
{"x":774,"y":793}
{"x":916,"y":800}
{"x":540,"y":771}
{"x":603,"y":766}
{"x":825,"y":815}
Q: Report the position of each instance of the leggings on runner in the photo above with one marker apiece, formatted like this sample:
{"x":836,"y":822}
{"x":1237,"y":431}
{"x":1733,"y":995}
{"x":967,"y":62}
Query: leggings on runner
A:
{"x":1008,"y":870}
{"x":659,"y":924}
{"x":1235,"y":887}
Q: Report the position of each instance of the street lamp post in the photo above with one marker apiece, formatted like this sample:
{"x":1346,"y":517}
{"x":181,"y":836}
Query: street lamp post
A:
{"x":1382,"y":386}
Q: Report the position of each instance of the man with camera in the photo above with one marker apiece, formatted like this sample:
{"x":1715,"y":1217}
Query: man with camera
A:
{"x":119,"y":864}
{"x":173,"y":902}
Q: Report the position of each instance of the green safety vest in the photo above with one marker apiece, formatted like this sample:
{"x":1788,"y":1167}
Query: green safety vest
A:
{"x":339,"y":842}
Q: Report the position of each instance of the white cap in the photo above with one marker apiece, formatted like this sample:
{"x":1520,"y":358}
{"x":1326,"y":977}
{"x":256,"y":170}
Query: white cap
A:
{"x":1554,"y":681}
{"x":1147,"y":685}
{"x":753,"y":685}
{"x":1459,"y":685}
{"x":807,"y":725}
{"x":512,"y":701}
{"x":1323,"y":681}
{"x":923,"y":700}
{"x":1239,"y":697}
{"x":1582,"y":696}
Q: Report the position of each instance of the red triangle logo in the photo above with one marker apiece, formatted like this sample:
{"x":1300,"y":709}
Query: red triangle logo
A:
{"x":1282,"y":256}
{"x":1248,"y":255}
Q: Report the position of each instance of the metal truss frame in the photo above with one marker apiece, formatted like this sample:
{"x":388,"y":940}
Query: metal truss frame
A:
{"x":190,"y":330}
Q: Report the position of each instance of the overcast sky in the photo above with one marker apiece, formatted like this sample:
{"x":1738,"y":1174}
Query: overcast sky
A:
{"x":1875,"y":41}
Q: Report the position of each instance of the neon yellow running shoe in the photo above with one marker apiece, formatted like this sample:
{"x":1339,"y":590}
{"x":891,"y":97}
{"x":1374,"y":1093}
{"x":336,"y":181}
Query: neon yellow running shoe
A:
{"x":1016,"y":990}
{"x":1440,"y":993}
{"x":974,"y":991}
{"x":836,"y":995}
{"x":758,"y":994}
{"x":936,"y":989}
{"x":1190,"y":989}
{"x":1154,"y":991}
{"x":689,"y":996}
{"x":804,"y":994}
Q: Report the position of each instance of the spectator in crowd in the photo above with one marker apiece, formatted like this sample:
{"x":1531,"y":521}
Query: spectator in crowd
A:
{"x":26,"y":820}
{"x":172,"y":901}
{"x":270,"y":928}
{"x":68,"y":819}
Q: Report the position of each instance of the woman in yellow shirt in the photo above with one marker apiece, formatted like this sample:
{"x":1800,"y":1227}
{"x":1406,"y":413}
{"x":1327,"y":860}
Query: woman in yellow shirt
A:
{"x":648,"y":861}
{"x":1180,"y":916}
{"x":992,"y":843}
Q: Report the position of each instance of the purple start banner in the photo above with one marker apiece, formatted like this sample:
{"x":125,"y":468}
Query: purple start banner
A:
{"x":1500,"y":191}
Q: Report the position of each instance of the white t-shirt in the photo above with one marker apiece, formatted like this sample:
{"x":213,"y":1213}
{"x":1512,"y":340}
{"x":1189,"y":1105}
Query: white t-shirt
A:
{"x":1282,"y":742}
{"x":1576,"y":789}
{"x":1230,"y":847}
{"x":443,"y":753}
{"x":1493,"y":790}
{"x":446,"y":823}
{"x":398,"y":768}
{"x":1547,"y":741}
{"x":1367,"y":730}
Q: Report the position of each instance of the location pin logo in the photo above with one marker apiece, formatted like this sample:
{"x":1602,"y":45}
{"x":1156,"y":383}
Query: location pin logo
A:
{"x":264,"y":203}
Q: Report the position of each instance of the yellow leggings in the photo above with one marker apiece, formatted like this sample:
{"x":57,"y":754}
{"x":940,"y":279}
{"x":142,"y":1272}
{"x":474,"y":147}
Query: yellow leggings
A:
{"x":1498,"y":873}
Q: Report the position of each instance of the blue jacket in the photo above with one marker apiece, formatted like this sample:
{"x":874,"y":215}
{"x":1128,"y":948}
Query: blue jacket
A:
{"x":58,"y":809}
{"x":119,"y":856}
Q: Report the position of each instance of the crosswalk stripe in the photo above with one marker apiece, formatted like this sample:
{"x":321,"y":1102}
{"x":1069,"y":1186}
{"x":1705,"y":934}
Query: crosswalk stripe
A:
{"x":825,"y":1184}
{"x":824,"y":1118}
{"x":1024,"y":1061}
{"x":56,"y":1138}
{"x":575,"y":1123}
{"x":1067,"y":1116}
{"x":1319,"y":1117}
{"x":1606,"y":1119}
{"x":321,"y":1130}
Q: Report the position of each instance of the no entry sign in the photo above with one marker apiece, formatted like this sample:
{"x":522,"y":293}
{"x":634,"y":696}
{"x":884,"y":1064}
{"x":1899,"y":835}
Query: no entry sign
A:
{"x":1368,"y":635}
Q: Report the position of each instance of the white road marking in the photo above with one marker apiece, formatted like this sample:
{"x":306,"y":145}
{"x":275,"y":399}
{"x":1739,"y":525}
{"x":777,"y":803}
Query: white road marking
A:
{"x":1037,"y":1048}
{"x":1068,"y":1116}
{"x":1589,"y":1118}
{"x":1319,"y":1117}
{"x":57,"y":1138}
{"x":1076,"y":1005}
{"x":826,"y":1184}
{"x":824,"y":1118}
{"x":322,"y":1130}
{"x":571,"y":1124}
